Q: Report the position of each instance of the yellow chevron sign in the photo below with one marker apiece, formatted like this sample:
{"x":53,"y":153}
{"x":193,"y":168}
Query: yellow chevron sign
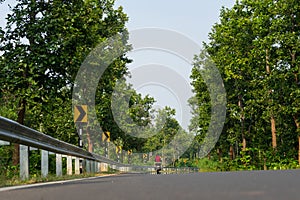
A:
{"x":106,"y":136}
{"x":129,"y":152}
{"x":118,"y":149}
{"x":80,"y":113}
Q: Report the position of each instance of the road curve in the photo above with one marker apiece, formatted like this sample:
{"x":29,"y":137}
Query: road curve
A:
{"x":259,"y":185}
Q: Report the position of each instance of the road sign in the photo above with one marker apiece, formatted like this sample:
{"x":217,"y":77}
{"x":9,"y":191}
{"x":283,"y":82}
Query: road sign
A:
{"x":145,"y":156}
{"x":118,"y":149}
{"x":130,"y":152}
{"x":106,"y":136}
{"x":80,"y":113}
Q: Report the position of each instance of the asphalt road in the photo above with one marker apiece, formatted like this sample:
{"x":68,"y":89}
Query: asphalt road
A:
{"x":225,"y":186}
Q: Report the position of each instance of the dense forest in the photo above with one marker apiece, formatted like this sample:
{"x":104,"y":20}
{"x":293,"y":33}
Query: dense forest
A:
{"x":255,"y":48}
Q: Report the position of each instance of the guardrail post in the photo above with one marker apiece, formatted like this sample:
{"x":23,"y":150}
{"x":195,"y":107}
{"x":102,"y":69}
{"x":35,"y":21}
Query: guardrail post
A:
{"x":69,"y":165}
{"x":24,"y":162}
{"x":87,"y":166}
{"x":77,"y":165}
{"x":95,"y":166}
{"x":103,"y":167}
{"x":44,"y":163}
{"x":58,"y":164}
{"x":92,"y":166}
{"x":98,"y":167}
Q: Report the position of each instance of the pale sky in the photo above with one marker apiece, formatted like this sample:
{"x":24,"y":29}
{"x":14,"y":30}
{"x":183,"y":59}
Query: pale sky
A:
{"x":192,"y":19}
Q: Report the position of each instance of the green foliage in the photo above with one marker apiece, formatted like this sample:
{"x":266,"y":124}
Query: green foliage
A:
{"x":35,"y":163}
{"x":127,"y":115}
{"x":7,"y":171}
{"x":204,"y":165}
{"x":256,"y":49}
{"x":165,"y":128}
{"x":43,"y":46}
{"x":39,"y":179}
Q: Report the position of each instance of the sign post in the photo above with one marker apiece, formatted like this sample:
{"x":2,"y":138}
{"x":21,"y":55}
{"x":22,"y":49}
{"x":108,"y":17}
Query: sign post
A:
{"x":145,"y":156}
{"x":80,"y":138}
{"x":106,"y":140}
{"x":118,"y":151}
{"x":129,"y":156}
{"x":80,"y":118}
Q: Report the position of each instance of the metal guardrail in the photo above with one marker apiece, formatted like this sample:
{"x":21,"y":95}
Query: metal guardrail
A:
{"x":14,"y":132}
{"x":176,"y":170}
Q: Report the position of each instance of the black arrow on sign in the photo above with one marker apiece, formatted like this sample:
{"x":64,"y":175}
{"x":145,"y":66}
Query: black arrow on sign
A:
{"x":82,"y":113}
{"x":106,"y":136}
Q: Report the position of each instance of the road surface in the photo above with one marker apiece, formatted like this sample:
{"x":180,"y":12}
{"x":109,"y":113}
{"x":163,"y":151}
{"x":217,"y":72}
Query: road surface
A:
{"x":258,"y":185}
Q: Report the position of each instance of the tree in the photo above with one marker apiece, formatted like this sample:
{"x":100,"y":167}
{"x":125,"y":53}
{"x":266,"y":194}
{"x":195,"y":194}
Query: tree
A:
{"x":125,"y":114}
{"x":255,"y":47}
{"x":208,"y":104}
{"x":44,"y":44}
{"x":167,"y":137}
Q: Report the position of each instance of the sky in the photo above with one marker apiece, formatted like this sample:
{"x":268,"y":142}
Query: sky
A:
{"x":192,"y":19}
{"x":161,"y":68}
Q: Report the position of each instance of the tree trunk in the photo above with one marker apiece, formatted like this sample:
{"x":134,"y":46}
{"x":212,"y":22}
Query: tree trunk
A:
{"x":297,"y":131}
{"x":219,"y":151}
{"x":273,"y":123}
{"x":16,"y":154}
{"x":244,"y":143}
{"x":231,"y":153}
{"x":299,"y":149}
{"x":267,"y":62}
{"x":265,"y":164}
{"x":273,"y":127}
{"x":240,"y":104}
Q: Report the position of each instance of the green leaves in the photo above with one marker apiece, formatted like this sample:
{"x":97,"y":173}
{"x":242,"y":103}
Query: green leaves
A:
{"x":256,"y":48}
{"x":43,"y":46}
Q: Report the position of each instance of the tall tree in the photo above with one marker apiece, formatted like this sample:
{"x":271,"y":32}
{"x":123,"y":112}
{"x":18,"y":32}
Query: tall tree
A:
{"x":44,"y":44}
{"x":255,"y":47}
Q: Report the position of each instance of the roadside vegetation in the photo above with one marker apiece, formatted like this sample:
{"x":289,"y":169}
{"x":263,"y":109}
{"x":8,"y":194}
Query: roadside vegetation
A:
{"x":255,"y":47}
{"x":9,"y":174}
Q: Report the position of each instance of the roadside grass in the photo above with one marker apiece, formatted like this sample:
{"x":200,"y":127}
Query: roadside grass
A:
{"x":239,"y":164}
{"x":15,"y":180}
